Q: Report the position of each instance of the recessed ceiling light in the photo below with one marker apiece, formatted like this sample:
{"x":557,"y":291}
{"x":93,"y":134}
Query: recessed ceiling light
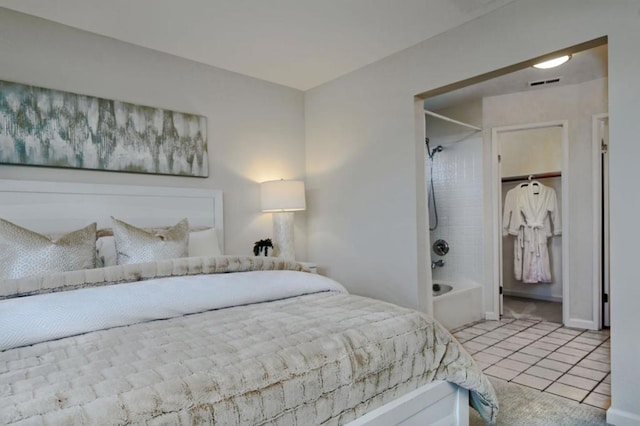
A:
{"x":552,"y":63}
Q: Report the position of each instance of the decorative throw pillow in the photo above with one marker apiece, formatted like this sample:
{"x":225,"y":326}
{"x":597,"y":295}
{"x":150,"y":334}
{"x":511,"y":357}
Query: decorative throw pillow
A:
{"x":201,"y":243}
{"x":204,"y":243}
{"x":135,"y":245}
{"x":24,"y":252}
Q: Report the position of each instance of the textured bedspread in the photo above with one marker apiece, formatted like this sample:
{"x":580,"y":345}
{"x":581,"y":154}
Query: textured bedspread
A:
{"x":322,"y":358}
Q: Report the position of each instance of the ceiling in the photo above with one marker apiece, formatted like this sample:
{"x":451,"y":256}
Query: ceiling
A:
{"x":584,"y":66}
{"x":296,"y":43}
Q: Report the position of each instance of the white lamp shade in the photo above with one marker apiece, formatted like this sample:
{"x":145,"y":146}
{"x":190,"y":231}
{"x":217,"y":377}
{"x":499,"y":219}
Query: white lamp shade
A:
{"x":282,"y":196}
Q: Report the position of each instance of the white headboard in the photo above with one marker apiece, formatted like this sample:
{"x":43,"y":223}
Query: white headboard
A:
{"x":56,"y":207}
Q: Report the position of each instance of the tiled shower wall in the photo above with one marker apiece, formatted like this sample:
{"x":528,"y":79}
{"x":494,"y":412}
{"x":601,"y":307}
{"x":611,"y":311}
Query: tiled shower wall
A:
{"x":457,"y":179}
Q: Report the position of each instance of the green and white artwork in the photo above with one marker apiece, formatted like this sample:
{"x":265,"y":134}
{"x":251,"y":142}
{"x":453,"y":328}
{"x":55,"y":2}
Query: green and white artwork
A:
{"x":45,"y":127}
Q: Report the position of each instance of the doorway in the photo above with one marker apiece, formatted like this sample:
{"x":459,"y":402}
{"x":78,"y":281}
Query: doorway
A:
{"x":531,"y":186}
{"x":525,"y":95}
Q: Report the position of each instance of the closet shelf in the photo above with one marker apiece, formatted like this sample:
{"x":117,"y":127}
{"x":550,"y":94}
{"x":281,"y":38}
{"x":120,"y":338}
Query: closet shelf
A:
{"x":532,"y":176}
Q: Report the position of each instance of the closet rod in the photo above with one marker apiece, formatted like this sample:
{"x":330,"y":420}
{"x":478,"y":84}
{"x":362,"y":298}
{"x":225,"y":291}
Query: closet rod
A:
{"x":532,"y":176}
{"x":451,"y":120}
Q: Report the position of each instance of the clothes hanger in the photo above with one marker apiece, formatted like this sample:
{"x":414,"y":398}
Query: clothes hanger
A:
{"x":534,"y":183}
{"x":522,"y":185}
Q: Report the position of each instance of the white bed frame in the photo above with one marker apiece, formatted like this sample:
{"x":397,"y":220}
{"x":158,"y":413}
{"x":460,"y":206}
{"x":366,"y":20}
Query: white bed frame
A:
{"x":57,"y":207}
{"x":437,"y":403}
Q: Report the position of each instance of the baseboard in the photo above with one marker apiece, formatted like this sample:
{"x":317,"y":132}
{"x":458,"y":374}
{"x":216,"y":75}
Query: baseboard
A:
{"x":622,"y":418}
{"x":578,"y":323}
{"x":532,"y":296}
{"x":491,"y":316}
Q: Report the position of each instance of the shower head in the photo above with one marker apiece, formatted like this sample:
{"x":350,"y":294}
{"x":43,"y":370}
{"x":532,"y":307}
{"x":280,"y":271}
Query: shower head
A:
{"x":433,"y":152}
{"x":430,"y":152}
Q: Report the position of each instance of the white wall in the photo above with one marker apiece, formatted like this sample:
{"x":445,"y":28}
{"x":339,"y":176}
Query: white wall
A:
{"x":365,"y":193}
{"x":256,"y":129}
{"x":530,"y":151}
{"x":577,"y":104}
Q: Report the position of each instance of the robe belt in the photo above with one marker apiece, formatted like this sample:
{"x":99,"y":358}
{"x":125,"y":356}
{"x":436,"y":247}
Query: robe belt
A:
{"x":537,"y":241}
{"x":520,"y":243}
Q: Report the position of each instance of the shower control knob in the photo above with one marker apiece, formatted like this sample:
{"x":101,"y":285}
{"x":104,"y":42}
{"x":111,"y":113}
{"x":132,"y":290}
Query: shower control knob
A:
{"x":441,"y":247}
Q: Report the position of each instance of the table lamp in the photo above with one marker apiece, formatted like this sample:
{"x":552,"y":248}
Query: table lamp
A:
{"x":282,"y":198}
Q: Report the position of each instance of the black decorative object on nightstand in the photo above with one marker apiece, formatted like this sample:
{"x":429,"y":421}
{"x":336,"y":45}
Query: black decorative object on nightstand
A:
{"x":262,"y":245}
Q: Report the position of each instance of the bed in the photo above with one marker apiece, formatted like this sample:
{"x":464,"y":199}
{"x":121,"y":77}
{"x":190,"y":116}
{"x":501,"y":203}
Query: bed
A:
{"x":204,"y":340}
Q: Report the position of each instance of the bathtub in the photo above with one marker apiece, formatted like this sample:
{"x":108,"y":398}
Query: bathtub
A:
{"x":462,"y":305}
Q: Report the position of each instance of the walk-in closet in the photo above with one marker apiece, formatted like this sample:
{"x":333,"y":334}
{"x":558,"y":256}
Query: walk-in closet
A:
{"x":531,"y":164}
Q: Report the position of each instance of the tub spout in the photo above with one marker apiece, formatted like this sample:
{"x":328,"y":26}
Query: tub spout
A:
{"x":437,"y":263}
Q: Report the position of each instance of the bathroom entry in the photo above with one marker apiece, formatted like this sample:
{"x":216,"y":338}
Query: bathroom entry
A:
{"x":531,"y":178}
{"x":502,"y":101}
{"x":453,"y":165}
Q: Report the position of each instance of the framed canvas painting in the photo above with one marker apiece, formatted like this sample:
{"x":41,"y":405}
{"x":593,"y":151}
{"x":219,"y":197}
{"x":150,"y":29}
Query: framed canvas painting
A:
{"x":45,"y":127}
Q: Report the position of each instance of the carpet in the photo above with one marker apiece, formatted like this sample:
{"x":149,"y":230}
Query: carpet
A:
{"x":524,"y":406}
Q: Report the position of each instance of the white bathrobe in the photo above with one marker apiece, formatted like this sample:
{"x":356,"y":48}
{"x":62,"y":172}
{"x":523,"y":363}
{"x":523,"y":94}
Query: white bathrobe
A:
{"x":509,"y":219}
{"x":536,"y":204}
{"x":512,"y":224}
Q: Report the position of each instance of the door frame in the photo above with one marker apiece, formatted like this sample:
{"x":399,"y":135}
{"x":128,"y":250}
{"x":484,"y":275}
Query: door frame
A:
{"x":496,"y":189}
{"x":596,"y":147}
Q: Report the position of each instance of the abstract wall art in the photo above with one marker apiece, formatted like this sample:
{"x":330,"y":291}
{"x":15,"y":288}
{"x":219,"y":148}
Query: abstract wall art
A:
{"x":44,"y":127}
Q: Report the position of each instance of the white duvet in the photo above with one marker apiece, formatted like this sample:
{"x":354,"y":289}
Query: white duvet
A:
{"x":34,"y":319}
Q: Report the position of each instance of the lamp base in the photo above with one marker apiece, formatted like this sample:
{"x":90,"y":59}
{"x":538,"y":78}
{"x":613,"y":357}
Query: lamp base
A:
{"x":283,"y":235}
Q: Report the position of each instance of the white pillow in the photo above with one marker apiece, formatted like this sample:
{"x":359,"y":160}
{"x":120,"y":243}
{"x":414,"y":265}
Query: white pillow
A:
{"x":106,"y":252}
{"x":201,"y":243}
{"x":204,"y":243}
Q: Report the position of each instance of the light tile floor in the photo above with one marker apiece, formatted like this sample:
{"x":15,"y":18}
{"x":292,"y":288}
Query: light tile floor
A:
{"x":546,"y":356}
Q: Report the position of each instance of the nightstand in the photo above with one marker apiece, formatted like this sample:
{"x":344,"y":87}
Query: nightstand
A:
{"x":312,"y":266}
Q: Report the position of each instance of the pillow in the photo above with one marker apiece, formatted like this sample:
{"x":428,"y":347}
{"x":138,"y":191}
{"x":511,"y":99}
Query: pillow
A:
{"x":105,"y":252}
{"x":24,"y":252}
{"x":201,"y":243}
{"x":204,"y":243}
{"x":135,"y":245}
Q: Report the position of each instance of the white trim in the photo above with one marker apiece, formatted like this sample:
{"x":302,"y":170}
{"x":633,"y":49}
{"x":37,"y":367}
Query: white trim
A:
{"x":56,"y":207}
{"x":424,"y":275}
{"x":496,"y":215}
{"x":436,"y":403}
{"x":496,"y":189}
{"x":580,"y":323}
{"x":622,"y":418}
{"x":550,"y":298}
{"x":491,"y":316}
{"x":597,"y":215}
{"x":566,"y":227}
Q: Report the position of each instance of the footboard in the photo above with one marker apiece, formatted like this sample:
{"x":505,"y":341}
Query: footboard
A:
{"x":437,"y":403}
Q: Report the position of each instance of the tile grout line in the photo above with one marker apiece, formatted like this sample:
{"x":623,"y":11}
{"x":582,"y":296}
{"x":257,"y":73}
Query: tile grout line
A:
{"x":533,"y":324}
{"x":581,"y":333}
{"x":576,"y":365}
{"x":601,"y":380}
